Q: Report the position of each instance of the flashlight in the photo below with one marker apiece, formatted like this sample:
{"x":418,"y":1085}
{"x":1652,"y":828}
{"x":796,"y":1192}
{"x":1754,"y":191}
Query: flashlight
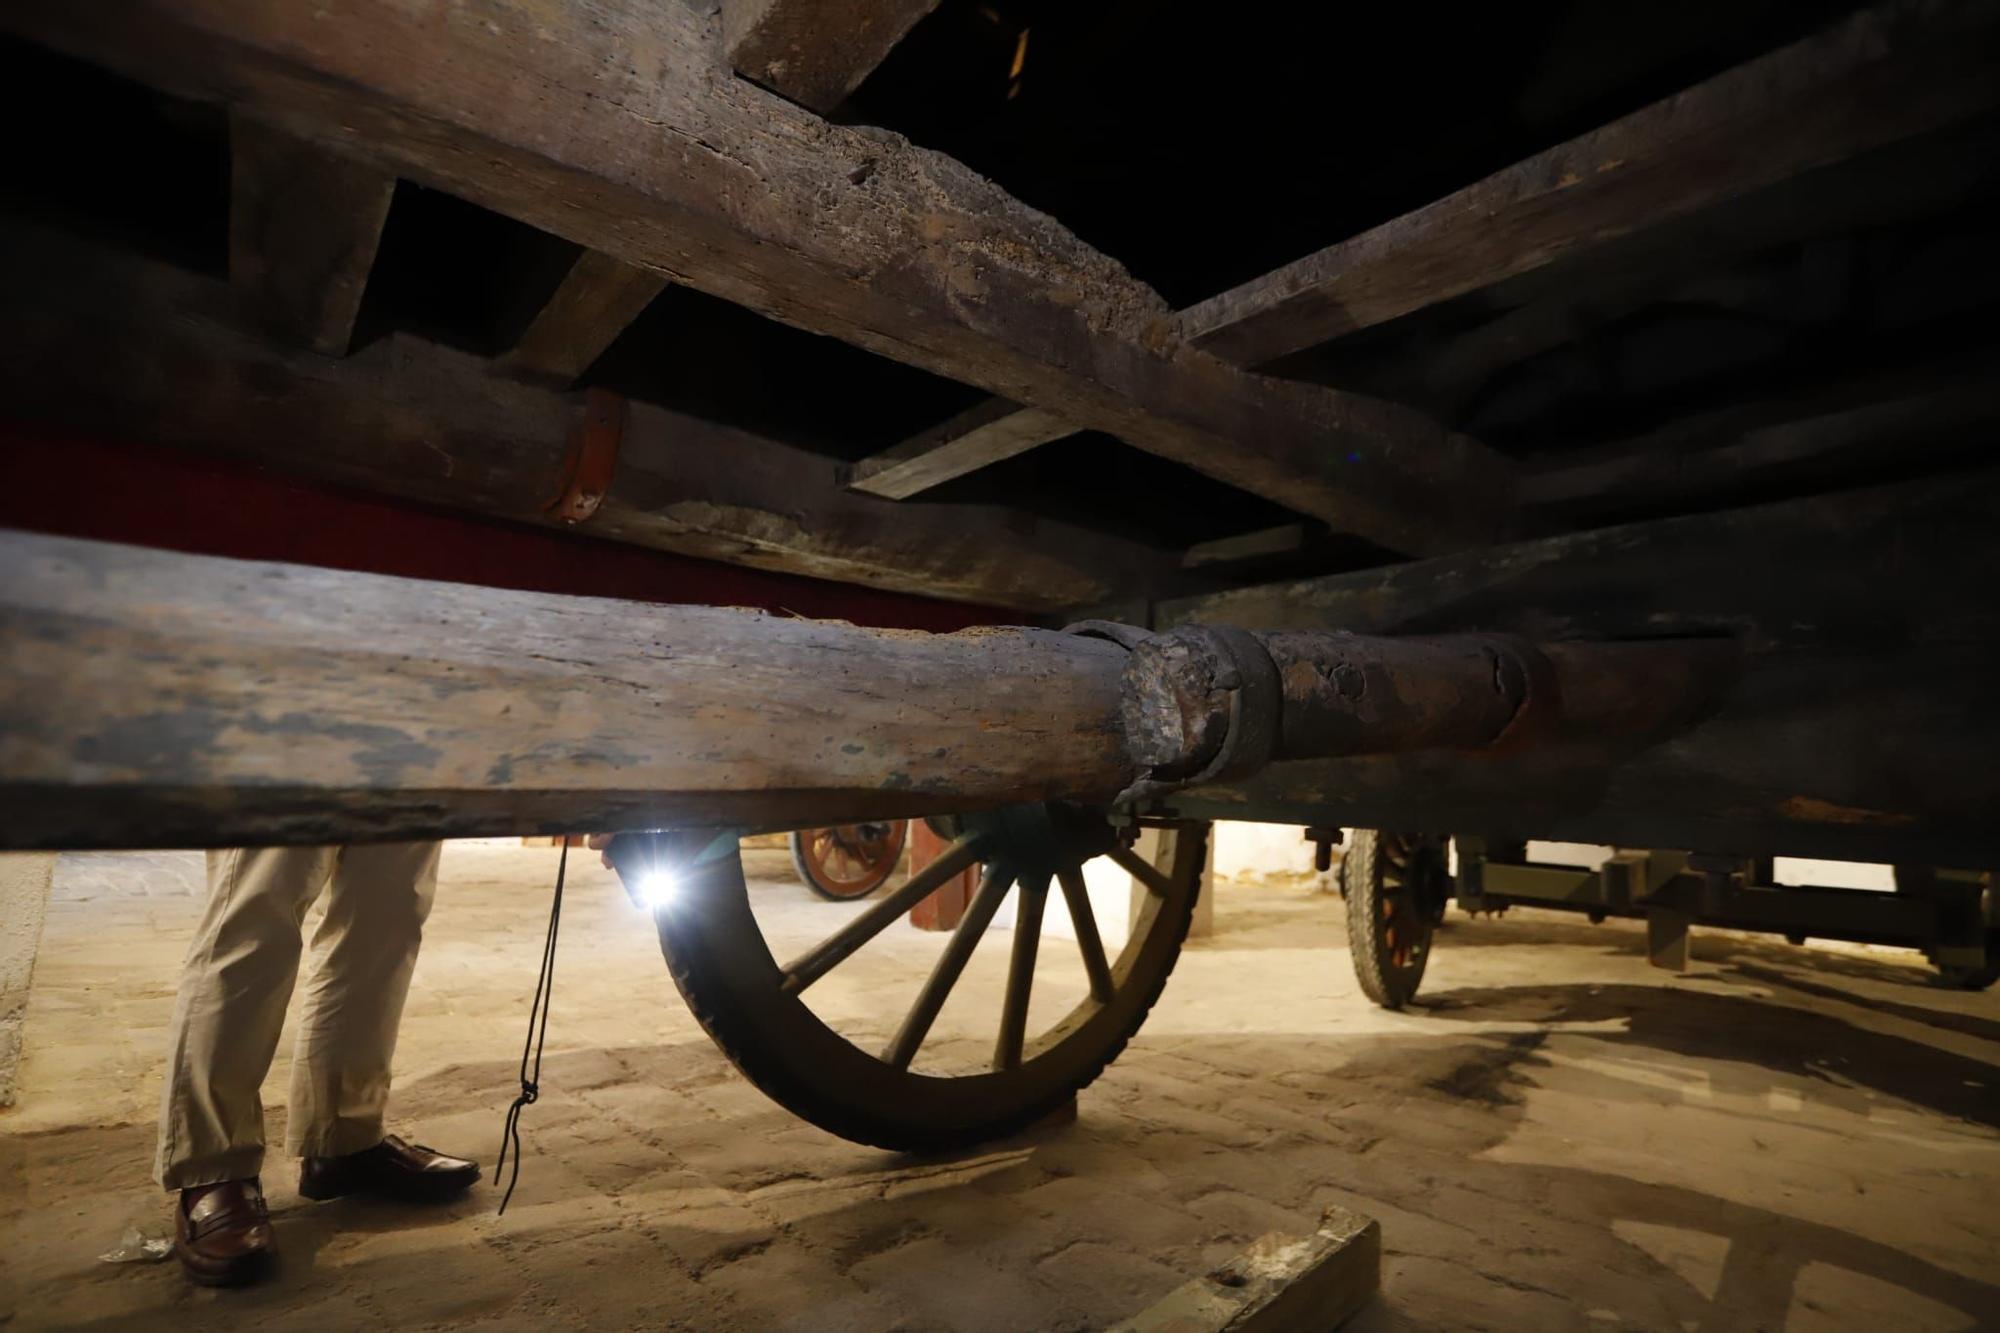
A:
{"x":659,"y":868}
{"x":655,"y":889}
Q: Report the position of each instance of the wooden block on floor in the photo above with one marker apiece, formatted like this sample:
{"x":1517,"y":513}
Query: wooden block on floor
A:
{"x":1280,"y":1283}
{"x":1667,"y":938}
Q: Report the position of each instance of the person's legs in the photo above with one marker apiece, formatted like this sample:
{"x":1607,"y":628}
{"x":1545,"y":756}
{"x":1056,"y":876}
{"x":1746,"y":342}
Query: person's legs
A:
{"x":234,"y":987}
{"x":364,"y":951}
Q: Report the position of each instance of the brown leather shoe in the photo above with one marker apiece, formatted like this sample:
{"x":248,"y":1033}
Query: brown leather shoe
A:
{"x":222,"y":1233}
{"x":392,"y":1169}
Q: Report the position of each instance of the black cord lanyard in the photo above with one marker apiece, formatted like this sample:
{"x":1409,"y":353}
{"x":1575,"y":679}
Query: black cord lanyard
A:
{"x":538,"y":1031}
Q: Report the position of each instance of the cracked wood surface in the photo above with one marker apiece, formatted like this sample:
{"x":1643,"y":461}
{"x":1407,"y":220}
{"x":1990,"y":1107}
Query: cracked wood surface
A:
{"x":153,"y":699}
{"x":1889,"y":76}
{"x":617,"y":125}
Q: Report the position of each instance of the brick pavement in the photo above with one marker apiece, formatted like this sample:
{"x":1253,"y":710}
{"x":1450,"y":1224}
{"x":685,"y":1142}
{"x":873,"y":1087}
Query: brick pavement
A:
{"x":1564,"y":1138}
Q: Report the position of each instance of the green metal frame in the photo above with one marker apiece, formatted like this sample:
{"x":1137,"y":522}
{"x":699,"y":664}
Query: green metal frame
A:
{"x":1947,"y":914}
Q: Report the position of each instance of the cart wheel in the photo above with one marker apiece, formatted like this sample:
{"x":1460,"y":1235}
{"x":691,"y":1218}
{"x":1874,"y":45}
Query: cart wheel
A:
{"x":848,"y":860}
{"x":886,"y":1086}
{"x":1396,"y":884}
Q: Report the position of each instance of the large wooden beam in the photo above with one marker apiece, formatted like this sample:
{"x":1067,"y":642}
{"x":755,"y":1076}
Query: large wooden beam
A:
{"x":1263,"y":544}
{"x":142,"y":495}
{"x":1866,"y":429}
{"x":1863,"y":724}
{"x":815,"y":52}
{"x":135,"y":349}
{"x":1885,"y":75}
{"x":150,"y":698}
{"x":593,"y":304}
{"x":978,"y":437}
{"x":304,"y":224}
{"x":1721,"y":255}
{"x":1599,"y":283}
{"x":616,"y":124}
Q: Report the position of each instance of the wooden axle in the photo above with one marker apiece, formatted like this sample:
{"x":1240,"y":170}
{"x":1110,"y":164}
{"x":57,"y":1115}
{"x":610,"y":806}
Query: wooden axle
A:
{"x":156,"y":699}
{"x":150,"y":698}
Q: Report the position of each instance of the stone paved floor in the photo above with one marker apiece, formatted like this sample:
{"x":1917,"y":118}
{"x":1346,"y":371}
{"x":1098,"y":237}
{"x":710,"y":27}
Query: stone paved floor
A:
{"x":1562,"y":1138}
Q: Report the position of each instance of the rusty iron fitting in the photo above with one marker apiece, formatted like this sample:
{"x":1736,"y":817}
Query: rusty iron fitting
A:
{"x":1201,"y":703}
{"x":591,"y":457}
{"x":1350,"y":694}
{"x":1210,"y":703}
{"x":1323,"y":838}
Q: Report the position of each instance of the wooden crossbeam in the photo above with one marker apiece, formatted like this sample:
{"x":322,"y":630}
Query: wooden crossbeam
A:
{"x":614,"y":125}
{"x":1682,"y":263}
{"x":1285,"y":539}
{"x":1709,"y":146}
{"x":978,"y":437}
{"x":304,"y":224}
{"x":135,"y":349}
{"x":1882,"y":425}
{"x":593,"y":304}
{"x":1883,"y":76}
{"x":815,"y":52}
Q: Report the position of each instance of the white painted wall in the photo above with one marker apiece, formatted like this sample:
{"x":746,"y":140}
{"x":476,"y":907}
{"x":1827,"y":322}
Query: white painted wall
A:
{"x":1789,"y":870}
{"x":1834,"y":874}
{"x":1113,"y":898}
{"x":1253,"y":851}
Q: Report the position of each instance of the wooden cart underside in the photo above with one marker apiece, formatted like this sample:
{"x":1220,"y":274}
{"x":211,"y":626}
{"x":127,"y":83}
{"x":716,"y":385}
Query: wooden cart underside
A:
{"x":1583,"y":323}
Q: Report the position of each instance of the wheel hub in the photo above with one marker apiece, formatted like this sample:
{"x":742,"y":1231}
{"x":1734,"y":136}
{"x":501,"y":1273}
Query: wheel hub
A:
{"x":1039,"y":838}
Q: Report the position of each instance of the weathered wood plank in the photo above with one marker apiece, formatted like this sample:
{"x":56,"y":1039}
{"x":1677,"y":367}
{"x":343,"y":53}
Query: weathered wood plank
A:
{"x":113,"y":343}
{"x":976,"y":438}
{"x":150,"y":698}
{"x":1280,"y":1284}
{"x":596,"y":299}
{"x":251,"y":511}
{"x":304,"y":224}
{"x":1862,"y":726}
{"x":614,"y":123}
{"x":1716,"y":256}
{"x":1285,"y":539}
{"x":815,"y":52}
{"x":1878,"y":424}
{"x":1883,"y":76}
{"x":157,"y":685}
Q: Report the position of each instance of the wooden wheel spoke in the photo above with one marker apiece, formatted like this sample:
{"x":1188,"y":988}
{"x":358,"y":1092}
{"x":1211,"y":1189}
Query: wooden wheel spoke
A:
{"x":1155,"y":879}
{"x":1077,"y":895}
{"x":836,"y":948}
{"x":902,"y":1047}
{"x":1021,"y":973}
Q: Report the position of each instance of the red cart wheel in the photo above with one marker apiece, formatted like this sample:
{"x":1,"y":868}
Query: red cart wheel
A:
{"x":1396,"y":885}
{"x":848,"y":860}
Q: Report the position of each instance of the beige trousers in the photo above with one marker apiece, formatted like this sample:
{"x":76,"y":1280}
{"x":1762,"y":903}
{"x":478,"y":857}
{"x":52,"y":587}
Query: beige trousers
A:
{"x":238,"y":979}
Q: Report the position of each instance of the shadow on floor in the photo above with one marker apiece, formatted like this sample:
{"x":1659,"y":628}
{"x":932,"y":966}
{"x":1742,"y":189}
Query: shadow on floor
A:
{"x":1757,"y":1036}
{"x":655,"y":1179}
